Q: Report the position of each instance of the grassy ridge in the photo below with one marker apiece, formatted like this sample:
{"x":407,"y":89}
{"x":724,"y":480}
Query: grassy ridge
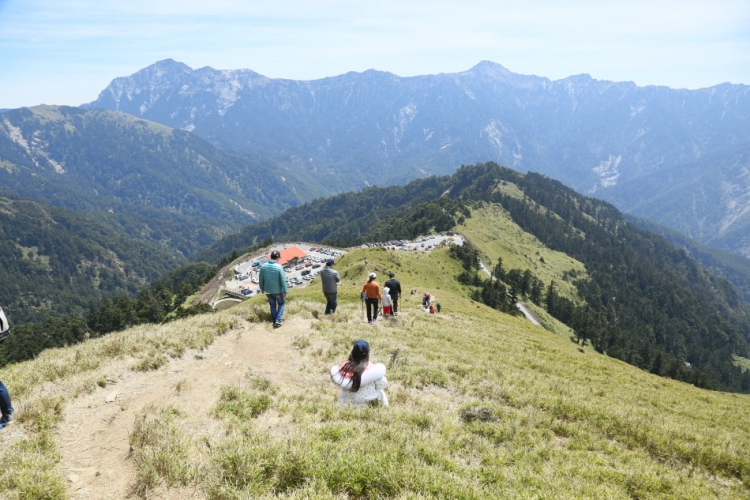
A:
{"x":483,"y":405}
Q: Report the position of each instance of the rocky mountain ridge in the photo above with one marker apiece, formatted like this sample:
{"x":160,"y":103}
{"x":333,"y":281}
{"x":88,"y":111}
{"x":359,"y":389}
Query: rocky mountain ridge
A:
{"x":612,"y":140}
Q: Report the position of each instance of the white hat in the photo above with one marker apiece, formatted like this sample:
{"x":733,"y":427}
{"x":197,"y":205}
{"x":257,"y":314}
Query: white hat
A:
{"x":373,"y":275}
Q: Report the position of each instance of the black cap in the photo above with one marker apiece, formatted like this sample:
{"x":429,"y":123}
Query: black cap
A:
{"x":360,"y":351}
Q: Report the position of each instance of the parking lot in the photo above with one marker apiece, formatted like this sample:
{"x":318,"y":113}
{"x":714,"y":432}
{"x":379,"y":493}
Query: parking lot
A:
{"x":245,"y":280}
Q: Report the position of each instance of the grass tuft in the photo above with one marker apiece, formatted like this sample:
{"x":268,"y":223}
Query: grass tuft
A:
{"x":241,"y":404}
{"x":160,"y":451}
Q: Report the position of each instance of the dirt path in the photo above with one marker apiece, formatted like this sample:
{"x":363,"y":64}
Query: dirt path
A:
{"x":93,"y":437}
{"x":212,"y":286}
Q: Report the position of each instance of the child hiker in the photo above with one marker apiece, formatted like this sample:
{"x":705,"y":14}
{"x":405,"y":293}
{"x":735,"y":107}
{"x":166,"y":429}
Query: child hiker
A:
{"x":387,"y":301}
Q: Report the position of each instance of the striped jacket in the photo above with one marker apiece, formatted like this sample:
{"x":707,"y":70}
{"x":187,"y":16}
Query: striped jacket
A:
{"x":272,"y":278}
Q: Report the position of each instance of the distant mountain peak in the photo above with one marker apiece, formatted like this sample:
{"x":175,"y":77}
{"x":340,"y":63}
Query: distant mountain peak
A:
{"x":489,"y":66}
{"x":166,"y":68}
{"x":492,"y":71}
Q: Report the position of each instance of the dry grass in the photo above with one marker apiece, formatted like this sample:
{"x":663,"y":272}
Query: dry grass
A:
{"x":483,"y":405}
{"x":492,"y":231}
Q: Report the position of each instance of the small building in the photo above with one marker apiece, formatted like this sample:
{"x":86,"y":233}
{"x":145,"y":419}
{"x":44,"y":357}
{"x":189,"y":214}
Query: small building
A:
{"x":291,"y":256}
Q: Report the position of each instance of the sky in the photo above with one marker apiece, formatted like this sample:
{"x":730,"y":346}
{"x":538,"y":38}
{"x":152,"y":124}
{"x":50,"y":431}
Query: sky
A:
{"x":67,"y":52}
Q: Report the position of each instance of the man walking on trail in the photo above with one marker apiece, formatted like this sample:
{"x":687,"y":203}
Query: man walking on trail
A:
{"x":394,"y":290}
{"x":272,"y":282}
{"x":330,"y":279}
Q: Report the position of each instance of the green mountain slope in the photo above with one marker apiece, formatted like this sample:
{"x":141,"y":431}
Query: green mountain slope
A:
{"x":730,"y":266}
{"x":162,"y":185}
{"x":482,"y":405}
{"x":640,"y":299}
{"x":351,"y":218}
{"x":56,"y":262}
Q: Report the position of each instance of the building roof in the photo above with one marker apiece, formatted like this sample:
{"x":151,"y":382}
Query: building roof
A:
{"x":289,"y":254}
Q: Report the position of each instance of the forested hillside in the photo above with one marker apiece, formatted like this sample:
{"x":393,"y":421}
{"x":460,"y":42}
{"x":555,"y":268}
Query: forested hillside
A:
{"x":730,"y":266}
{"x":373,"y":214}
{"x":644,"y":301}
{"x":55,"y":262}
{"x":155,"y":183}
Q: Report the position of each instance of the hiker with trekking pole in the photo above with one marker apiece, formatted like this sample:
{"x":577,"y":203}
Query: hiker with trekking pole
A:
{"x":371,"y":294}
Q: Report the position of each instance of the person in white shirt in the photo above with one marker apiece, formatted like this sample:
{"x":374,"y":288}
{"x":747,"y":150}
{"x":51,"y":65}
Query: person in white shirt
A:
{"x":360,"y":381}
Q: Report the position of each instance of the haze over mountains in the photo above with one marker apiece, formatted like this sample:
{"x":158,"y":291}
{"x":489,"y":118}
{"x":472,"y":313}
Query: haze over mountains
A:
{"x":678,"y":157}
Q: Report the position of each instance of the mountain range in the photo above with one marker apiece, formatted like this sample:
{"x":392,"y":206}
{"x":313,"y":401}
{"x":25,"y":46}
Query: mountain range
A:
{"x":153,"y":182}
{"x":675,"y":156}
{"x":96,"y":203}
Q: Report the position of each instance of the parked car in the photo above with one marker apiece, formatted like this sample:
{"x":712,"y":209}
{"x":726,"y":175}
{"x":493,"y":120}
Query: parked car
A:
{"x":305,"y":272}
{"x":315,"y":266}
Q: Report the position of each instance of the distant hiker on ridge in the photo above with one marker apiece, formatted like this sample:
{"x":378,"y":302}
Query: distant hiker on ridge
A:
{"x":361,"y":382}
{"x":330,"y":279}
{"x":394,"y":287}
{"x":272,"y":282}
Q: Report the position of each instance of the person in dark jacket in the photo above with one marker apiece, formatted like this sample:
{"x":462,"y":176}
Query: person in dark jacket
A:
{"x":330,"y":279}
{"x":394,"y":290}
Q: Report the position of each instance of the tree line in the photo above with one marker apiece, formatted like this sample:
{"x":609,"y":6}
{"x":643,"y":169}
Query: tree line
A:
{"x":644,"y":301}
{"x":162,"y":300}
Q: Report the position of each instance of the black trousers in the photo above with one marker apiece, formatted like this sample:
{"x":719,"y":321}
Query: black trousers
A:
{"x":372,"y":309}
{"x":394,"y":309}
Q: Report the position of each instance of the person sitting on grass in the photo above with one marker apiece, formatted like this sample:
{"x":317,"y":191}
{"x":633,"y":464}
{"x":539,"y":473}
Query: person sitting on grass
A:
{"x":361,"y":382}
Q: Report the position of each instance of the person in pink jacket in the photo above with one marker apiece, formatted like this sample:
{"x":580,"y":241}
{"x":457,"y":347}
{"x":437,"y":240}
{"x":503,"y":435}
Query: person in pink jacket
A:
{"x":360,"y":381}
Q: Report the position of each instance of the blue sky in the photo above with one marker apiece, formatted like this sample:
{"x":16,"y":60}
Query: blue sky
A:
{"x":66,"y":52}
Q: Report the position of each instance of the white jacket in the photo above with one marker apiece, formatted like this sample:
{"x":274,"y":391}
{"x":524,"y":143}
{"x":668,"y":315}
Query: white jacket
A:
{"x":386,"y":298}
{"x":371,"y":385}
